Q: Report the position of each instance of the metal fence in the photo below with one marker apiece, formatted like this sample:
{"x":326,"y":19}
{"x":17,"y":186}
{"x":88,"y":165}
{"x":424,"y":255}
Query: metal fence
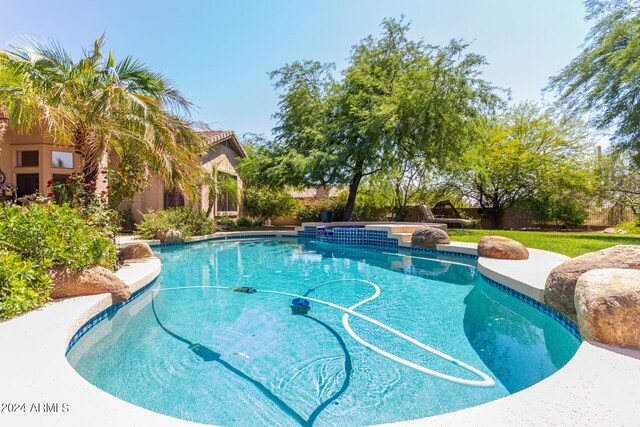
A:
{"x":608,"y":214}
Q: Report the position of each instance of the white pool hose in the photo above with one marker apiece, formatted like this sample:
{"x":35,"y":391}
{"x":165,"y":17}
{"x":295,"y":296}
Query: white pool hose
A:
{"x":486,"y":381}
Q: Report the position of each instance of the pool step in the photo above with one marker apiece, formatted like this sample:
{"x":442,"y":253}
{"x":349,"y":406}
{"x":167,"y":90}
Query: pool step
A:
{"x":404,"y":237}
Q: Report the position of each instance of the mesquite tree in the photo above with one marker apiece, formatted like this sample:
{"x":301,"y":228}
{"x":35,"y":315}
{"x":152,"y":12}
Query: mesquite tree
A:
{"x":396,"y":99}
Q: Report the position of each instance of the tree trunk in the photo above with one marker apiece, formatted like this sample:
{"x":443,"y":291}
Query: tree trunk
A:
{"x":4,"y":122}
{"x":496,"y":216}
{"x":92,"y":171}
{"x":353,"y":191}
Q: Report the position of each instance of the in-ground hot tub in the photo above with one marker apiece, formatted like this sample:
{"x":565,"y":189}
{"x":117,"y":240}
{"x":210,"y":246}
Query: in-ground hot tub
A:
{"x":191,"y":349}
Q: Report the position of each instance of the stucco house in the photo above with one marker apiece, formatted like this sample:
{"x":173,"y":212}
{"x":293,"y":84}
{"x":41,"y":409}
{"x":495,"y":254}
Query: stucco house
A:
{"x":29,"y":161}
{"x":224,"y":151}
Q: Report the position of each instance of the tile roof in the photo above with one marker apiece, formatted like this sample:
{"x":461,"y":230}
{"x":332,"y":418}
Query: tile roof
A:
{"x":216,"y":136}
{"x":219,"y":136}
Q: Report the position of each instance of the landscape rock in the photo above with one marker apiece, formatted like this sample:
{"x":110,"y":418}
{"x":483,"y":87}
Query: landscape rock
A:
{"x":607,"y":304}
{"x":560,"y":287}
{"x":501,"y":248}
{"x":136,"y":251}
{"x":429,"y":237}
{"x":90,"y":281}
{"x":169,"y":236}
{"x":609,"y":230}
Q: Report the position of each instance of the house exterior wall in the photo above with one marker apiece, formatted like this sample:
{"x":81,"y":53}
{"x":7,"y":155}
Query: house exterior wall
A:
{"x":35,"y":141}
{"x":152,"y":198}
{"x":223,"y":157}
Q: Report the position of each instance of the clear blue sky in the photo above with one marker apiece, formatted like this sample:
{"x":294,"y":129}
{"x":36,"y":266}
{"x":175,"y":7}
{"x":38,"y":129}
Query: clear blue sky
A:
{"x":219,"y":52}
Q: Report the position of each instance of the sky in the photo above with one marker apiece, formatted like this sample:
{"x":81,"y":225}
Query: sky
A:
{"x":219,"y":52}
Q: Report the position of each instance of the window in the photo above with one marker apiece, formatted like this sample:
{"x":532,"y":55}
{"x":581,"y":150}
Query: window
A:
{"x":28,"y":159}
{"x":173,"y":199}
{"x":27,"y":183}
{"x":227,"y":202}
{"x":61,"y":159}
{"x":64,"y":193}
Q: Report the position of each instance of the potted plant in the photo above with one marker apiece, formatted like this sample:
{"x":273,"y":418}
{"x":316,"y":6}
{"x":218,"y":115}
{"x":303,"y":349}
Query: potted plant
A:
{"x":326,"y":210}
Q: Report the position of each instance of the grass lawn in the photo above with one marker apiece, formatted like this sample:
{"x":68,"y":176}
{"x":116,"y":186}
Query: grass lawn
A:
{"x":570,"y":244}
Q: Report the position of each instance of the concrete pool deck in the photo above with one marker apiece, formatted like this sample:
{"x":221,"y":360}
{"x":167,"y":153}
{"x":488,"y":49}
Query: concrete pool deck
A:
{"x":598,"y":386}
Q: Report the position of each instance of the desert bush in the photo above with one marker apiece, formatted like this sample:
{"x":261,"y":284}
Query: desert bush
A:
{"x":54,"y":236}
{"x":183,"y":219}
{"x":266,"y":203}
{"x":244,"y":222}
{"x":24,"y":285}
{"x":629,"y":226}
{"x":227,"y":221}
{"x":248,"y":222}
{"x":564,"y":209}
{"x":308,"y":211}
{"x":93,"y":207}
{"x":367,"y":207}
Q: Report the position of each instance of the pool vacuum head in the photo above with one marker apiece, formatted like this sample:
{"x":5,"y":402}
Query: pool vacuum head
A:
{"x":245,"y":289}
{"x":300,"y":306}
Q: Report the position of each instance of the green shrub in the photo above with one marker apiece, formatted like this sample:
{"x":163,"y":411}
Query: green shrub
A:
{"x":570,"y":213}
{"x":629,"y":226}
{"x":24,"y":285}
{"x":248,"y":222}
{"x":183,"y":219}
{"x":93,"y":207}
{"x":244,"y":222}
{"x":266,"y":203}
{"x":227,"y":221}
{"x":367,"y":207}
{"x":54,"y":236}
{"x":564,"y":209}
{"x":308,"y":211}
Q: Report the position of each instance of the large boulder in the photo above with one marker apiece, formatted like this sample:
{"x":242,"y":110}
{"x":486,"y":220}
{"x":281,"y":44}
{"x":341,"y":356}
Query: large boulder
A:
{"x":90,"y":281}
{"x":169,"y":236}
{"x":561,"y":284}
{"x":429,"y":237}
{"x":135,"y":251}
{"x":501,"y":248}
{"x":608,"y":306}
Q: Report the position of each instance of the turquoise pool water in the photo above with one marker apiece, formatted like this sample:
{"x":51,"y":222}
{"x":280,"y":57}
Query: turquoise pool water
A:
{"x":236,"y":359}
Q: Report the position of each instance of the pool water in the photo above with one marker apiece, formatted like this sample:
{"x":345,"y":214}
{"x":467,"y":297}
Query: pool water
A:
{"x":237,"y":359}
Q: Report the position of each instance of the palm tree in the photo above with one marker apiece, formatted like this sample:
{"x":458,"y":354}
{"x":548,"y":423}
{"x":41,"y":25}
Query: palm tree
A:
{"x":99,"y":105}
{"x":4,"y":121}
{"x":24,"y":101}
{"x":219,"y":184}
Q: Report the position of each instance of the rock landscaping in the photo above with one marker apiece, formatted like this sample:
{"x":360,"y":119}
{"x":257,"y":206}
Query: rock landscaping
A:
{"x":169,"y":236}
{"x":429,"y":237}
{"x":561,"y":284}
{"x":501,"y":248}
{"x":135,"y":251}
{"x":607,"y":306}
{"x":90,"y":281}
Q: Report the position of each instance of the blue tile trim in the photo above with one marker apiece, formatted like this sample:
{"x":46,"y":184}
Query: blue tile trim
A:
{"x":195,"y":242}
{"x":437,"y":252}
{"x":358,"y":235}
{"x":106,"y":313}
{"x":543,"y":308}
{"x":349,"y":235}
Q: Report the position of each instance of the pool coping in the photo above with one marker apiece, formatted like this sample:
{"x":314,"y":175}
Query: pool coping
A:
{"x":590,"y":389}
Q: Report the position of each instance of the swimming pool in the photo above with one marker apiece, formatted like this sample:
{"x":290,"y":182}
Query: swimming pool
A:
{"x":228,"y":358}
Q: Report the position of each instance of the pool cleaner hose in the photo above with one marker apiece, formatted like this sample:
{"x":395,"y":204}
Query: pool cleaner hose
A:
{"x":485,"y":381}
